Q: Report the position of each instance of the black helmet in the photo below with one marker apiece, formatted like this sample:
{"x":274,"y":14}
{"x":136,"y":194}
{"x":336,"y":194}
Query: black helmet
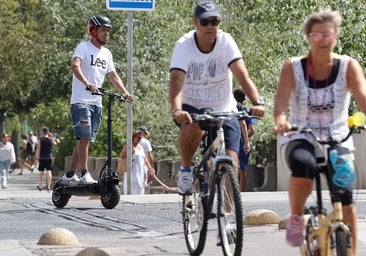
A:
{"x":98,"y":21}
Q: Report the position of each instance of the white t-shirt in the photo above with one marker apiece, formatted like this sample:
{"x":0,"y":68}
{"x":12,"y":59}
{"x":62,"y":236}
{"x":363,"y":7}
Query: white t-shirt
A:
{"x":96,"y":64}
{"x":7,"y":152}
{"x":208,"y":81}
{"x":145,"y":143}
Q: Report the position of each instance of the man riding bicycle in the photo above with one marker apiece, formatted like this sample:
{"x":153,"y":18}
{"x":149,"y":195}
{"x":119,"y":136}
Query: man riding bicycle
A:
{"x":201,"y":70}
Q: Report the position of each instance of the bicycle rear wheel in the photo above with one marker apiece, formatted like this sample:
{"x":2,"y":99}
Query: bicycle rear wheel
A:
{"x":194,"y":220}
{"x":230,"y":211}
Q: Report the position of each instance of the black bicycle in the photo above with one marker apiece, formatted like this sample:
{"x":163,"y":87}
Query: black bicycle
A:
{"x":108,"y":180}
{"x":328,"y":235}
{"x":214,"y":177}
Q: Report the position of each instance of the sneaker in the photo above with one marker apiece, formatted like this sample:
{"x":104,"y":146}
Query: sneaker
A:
{"x":73,"y":181}
{"x":185,"y":181}
{"x":294,"y":230}
{"x":87,"y":179}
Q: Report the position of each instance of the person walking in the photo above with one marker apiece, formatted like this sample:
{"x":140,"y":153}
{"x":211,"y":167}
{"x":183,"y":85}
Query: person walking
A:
{"x":247,"y":131}
{"x":146,"y":144}
{"x":314,"y":91}
{"x":91,"y":62}
{"x":43,"y":155}
{"x":31,"y":150}
{"x":139,"y":162}
{"x":23,"y":156}
{"x":7,"y":157}
{"x":201,"y":70}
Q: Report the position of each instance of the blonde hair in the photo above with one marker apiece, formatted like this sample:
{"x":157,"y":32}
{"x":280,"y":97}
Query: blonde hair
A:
{"x":323,"y":16}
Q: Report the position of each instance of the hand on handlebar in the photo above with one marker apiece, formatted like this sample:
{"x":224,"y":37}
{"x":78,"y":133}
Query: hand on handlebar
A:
{"x":257,"y":110}
{"x":92,"y":88}
{"x":282,"y":127}
{"x":129,"y":97}
{"x":182,"y":117}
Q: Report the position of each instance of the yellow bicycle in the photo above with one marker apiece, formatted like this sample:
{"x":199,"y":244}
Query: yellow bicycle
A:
{"x":327,"y":235}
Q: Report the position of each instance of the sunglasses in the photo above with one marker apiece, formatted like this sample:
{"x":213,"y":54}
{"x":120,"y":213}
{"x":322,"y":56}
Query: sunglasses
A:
{"x":214,"y":22}
{"x":318,"y":36}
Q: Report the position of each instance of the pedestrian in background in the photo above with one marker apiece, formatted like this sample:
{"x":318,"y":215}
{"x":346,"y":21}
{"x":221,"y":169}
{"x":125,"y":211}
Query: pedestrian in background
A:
{"x":139,"y":162}
{"x":43,"y":155}
{"x":31,"y":149}
{"x":7,"y":157}
{"x":247,"y":131}
{"x":146,"y":144}
{"x":23,"y":155}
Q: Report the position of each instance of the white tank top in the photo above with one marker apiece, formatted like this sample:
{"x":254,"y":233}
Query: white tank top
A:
{"x":324,"y":110}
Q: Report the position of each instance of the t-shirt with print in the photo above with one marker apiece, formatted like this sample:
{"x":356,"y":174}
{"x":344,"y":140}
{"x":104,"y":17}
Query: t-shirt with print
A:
{"x":208,"y":81}
{"x":96,"y":64}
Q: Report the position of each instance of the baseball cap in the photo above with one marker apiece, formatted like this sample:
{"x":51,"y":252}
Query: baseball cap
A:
{"x":143,"y":129}
{"x":205,"y":9}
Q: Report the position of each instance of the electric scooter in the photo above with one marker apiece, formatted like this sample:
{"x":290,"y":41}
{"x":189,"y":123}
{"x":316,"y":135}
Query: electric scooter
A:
{"x":107,"y":185}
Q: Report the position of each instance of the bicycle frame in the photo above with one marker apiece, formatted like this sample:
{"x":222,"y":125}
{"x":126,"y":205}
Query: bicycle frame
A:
{"x":214,"y":155}
{"x":324,"y":226}
{"x":214,"y":180}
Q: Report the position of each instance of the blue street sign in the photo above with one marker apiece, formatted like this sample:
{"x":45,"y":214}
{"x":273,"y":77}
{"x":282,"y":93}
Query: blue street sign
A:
{"x":131,"y":5}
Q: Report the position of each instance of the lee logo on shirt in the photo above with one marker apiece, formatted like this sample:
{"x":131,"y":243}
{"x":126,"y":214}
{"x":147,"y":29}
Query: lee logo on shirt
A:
{"x":98,"y":62}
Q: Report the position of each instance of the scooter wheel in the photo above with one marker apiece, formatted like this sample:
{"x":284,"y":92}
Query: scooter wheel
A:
{"x":59,"y":200}
{"x":110,"y":198}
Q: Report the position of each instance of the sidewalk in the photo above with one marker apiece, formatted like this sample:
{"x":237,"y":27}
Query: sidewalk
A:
{"x":24,"y":186}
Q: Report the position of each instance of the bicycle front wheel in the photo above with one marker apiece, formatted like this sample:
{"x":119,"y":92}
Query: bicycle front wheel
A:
{"x":194,"y":220}
{"x":230,"y":211}
{"x":341,"y":243}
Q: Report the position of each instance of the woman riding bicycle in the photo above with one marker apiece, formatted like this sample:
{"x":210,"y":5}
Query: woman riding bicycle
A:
{"x":317,"y":89}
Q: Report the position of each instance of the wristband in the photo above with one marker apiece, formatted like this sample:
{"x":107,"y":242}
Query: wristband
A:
{"x":259,"y":102}
{"x":176,"y":110}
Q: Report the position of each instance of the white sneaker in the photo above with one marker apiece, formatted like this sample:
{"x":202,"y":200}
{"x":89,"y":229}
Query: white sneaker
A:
{"x":185,"y":182}
{"x":73,"y":181}
{"x":87,"y":179}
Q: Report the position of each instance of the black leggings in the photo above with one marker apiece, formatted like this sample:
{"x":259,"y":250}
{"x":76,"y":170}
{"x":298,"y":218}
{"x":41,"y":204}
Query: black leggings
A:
{"x":301,"y":160}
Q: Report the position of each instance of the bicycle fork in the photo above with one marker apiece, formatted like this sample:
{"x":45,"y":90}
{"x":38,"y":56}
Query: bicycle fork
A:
{"x":336,"y":224}
{"x":323,"y":233}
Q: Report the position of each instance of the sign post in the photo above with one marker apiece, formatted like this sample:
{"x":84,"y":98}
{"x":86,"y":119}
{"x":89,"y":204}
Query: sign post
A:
{"x":130,"y":6}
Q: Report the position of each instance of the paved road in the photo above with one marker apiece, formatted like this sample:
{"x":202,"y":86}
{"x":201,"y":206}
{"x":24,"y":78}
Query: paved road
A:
{"x":139,"y":225}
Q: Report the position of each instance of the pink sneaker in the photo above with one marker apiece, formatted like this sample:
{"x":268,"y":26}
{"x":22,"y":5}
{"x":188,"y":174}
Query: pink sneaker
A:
{"x":294,"y":230}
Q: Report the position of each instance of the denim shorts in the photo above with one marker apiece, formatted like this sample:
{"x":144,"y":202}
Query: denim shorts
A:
{"x":243,"y":157}
{"x":231,"y":129}
{"x":91,"y":115}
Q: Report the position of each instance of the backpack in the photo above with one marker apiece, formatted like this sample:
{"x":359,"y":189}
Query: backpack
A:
{"x":29,"y":146}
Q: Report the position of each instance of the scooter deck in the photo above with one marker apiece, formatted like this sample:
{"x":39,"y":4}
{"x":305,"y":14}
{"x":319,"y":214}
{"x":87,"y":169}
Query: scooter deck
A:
{"x":89,"y":189}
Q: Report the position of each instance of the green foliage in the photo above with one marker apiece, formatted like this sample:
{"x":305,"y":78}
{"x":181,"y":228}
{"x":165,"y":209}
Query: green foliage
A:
{"x":40,"y":36}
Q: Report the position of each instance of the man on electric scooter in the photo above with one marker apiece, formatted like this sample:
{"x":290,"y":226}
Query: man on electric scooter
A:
{"x":91,"y":62}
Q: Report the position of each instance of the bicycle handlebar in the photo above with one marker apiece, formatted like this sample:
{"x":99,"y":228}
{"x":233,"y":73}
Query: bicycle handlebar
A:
{"x":221,"y":115}
{"x":103,"y":92}
{"x":304,"y":130}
